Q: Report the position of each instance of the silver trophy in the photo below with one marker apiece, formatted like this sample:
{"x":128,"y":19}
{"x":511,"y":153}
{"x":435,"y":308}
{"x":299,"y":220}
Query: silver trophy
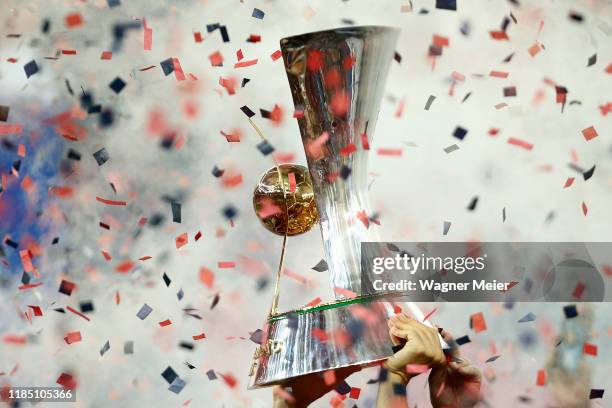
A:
{"x":337,"y":79}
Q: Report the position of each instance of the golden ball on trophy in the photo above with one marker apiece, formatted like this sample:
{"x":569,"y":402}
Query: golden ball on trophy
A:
{"x":288,"y":206}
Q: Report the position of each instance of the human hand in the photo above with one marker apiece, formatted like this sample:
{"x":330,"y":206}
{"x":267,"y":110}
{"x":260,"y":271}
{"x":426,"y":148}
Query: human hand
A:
{"x":456,"y":384}
{"x":308,"y":388}
{"x":421,"y":348}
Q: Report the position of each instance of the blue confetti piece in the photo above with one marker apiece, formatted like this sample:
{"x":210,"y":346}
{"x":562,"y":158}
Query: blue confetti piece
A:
{"x":257,"y":13}
{"x":144,"y":311}
{"x":30,"y":68}
{"x":529,"y":317}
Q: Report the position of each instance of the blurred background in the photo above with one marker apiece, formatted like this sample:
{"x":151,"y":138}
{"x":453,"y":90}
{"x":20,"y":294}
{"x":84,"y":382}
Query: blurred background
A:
{"x":529,"y":81}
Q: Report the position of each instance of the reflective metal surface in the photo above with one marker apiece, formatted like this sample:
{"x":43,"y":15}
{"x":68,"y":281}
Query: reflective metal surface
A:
{"x":337,"y":79}
{"x":322,"y":338}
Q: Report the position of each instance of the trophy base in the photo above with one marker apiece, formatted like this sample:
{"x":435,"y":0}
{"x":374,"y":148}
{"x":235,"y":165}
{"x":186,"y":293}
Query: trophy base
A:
{"x":325,"y":337}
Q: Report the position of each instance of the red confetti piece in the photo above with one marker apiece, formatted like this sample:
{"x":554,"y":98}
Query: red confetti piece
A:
{"x":541,"y":378}
{"x":400,"y":108}
{"x":229,"y":84}
{"x":106,"y":255}
{"x":216,"y":59}
{"x":319,"y":334}
{"x":207,"y":277}
{"x":254,"y":38}
{"x":589,"y":133}
{"x":178,"y":70}
{"x":363,"y":217}
{"x":226,"y":264}
{"x":197,"y":37}
{"x":499,"y":35}
{"x":458,"y":76}
{"x":69,"y":52}
{"x":364,"y":141}
{"x":26,"y":260}
{"x":578,"y":290}
{"x":110,"y":202}
{"x":106,"y":55}
{"x":276,"y":115}
{"x":349,"y":294}
{"x":292,"y":182}
{"x":355,"y":392}
{"x":340,"y":103}
{"x":10,"y":129}
{"x":534,"y":49}
{"x":117,"y":298}
{"x":21,"y":150}
{"x":244,"y":64}
{"x":14,"y":339}
{"x":568,"y":182}
{"x":349,"y":62}
{"x":590,"y":349}
{"x":428,"y":315}
{"x":165,"y":323}
{"x":76,"y":312}
{"x":314,"y":302}
{"x":440,"y":41}
{"x":62,"y":192}
{"x":478,"y":322}
{"x":124,"y":267}
{"x":296,"y":276}
{"x":315,"y":148}
{"x":520,"y":143}
{"x":181,"y":240}
{"x":499,"y":74}
{"x":73,"y":20}
{"x":29,"y":286}
{"x":200,"y":336}
{"x":142,"y":221}
{"x":348,"y":150}
{"x":145,"y":258}
{"x":276,"y":55}
{"x":147,"y":36}
{"x":386,"y":151}
{"x":609,"y":68}
{"x":36,"y":310}
{"x":147,"y":68}
{"x":585,"y":209}
{"x":198,"y":235}
{"x":229,"y":379}
{"x":231,"y":137}
{"x":607,"y":269}
{"x":67,"y":380}
{"x":73,"y":337}
{"x":314,"y":60}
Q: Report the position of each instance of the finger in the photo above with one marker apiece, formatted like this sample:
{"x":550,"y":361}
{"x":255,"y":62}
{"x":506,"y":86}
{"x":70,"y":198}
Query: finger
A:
{"x":467,"y":370}
{"x":394,"y":339}
{"x":453,"y":351}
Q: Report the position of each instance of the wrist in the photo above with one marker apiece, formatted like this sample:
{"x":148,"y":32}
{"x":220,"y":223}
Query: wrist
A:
{"x":395,"y":375}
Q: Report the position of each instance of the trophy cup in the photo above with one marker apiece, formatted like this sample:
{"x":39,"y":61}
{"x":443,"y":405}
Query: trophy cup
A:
{"x":336,"y":78}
